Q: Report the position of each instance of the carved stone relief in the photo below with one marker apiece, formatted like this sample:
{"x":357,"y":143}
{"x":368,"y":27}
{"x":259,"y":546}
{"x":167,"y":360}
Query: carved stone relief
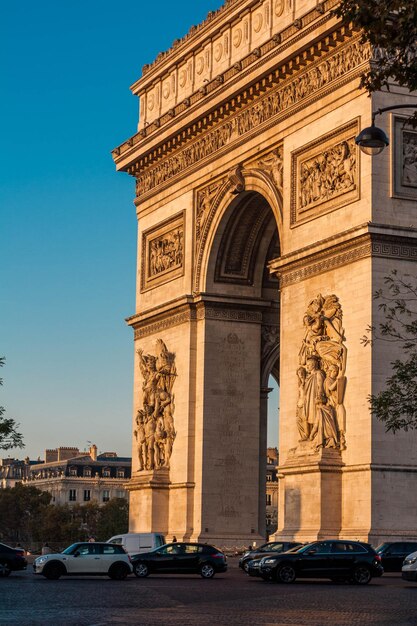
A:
{"x":325,"y":174}
{"x":155,"y":431}
{"x":269,"y":340}
{"x":272,"y":163}
{"x":321,"y":416}
{"x":404,"y":159}
{"x":276,"y":102}
{"x":163,"y":252}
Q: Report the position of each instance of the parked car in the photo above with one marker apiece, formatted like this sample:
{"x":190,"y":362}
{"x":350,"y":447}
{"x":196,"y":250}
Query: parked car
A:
{"x":134,"y":543}
{"x":253,"y":567}
{"x":11,"y":560}
{"x":335,"y":559}
{"x":409,"y":568}
{"x":89,"y":559}
{"x":180,"y":558}
{"x":393,"y":553}
{"x":271,"y":548}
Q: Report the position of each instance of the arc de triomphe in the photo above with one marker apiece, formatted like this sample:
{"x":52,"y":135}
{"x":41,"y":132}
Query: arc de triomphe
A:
{"x":262,"y":235}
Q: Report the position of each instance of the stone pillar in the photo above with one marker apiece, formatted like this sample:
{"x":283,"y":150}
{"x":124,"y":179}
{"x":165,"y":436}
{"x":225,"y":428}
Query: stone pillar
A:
{"x":228,"y":427}
{"x":149,"y":502}
{"x":310,"y":505}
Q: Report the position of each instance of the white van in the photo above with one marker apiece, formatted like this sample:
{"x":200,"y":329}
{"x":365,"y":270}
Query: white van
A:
{"x":134,"y":543}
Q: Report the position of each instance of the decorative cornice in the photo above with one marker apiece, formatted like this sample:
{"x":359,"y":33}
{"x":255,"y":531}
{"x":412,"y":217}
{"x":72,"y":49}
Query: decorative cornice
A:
{"x":368,"y":244}
{"x":256,"y":109}
{"x":278,"y":44}
{"x":159,"y":322}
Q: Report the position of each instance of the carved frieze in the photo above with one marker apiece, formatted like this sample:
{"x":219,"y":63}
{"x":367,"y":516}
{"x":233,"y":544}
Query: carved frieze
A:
{"x":163,"y":252}
{"x":404,"y":161}
{"x":278,"y":102}
{"x":321,"y":415}
{"x":325,"y":174}
{"x":155,"y":432}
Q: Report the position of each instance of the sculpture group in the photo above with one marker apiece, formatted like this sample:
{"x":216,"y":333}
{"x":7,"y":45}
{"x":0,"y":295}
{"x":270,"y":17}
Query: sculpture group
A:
{"x":155,"y":432}
{"x":321,"y":377}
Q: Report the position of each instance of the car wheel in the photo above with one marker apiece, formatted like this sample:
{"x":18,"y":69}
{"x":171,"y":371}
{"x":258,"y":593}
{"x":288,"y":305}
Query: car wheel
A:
{"x":207,"y":571}
{"x":118,"y":571}
{"x":246,"y":566}
{"x":5,"y":569}
{"x":53,"y":571}
{"x":286,"y":574}
{"x":141,"y":570}
{"x":361,"y":575}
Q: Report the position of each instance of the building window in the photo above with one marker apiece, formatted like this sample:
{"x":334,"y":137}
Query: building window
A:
{"x":120,"y":494}
{"x":268,"y":499}
{"x":73,"y":471}
{"x":106,"y":495}
{"x":72,"y":495}
{"x":120,"y":473}
{"x":106,"y":472}
{"x":87,"y":495}
{"x":87,"y":472}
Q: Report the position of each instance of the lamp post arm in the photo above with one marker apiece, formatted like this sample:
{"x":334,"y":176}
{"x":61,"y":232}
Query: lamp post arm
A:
{"x":391,"y":108}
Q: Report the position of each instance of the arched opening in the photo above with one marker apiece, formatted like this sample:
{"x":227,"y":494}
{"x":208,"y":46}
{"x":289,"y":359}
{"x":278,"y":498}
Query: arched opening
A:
{"x":271,"y":513}
{"x":245,"y":240}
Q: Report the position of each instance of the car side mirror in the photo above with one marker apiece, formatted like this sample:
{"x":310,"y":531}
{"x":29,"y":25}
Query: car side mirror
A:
{"x":76,"y":553}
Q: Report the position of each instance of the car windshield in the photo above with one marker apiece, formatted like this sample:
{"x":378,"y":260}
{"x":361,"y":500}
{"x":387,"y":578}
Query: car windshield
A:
{"x":381,"y":547}
{"x":295,"y":549}
{"x":302,"y":548}
{"x":70,"y":548}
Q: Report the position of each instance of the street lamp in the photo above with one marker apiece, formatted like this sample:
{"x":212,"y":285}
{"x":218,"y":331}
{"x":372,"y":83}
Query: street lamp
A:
{"x":372,"y":140}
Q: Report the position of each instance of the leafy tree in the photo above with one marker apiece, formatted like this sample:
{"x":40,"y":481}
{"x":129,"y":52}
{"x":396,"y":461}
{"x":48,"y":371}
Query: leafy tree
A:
{"x":9,"y":437}
{"x":22,"y":510}
{"x":396,"y":405}
{"x":114,"y":519}
{"x":390,"y":26}
{"x":60,"y":524}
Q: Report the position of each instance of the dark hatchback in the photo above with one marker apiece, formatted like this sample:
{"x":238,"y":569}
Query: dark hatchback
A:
{"x":268,"y":549}
{"x":349,"y":561}
{"x":11,"y":560}
{"x":393,"y":554}
{"x":180,"y":558}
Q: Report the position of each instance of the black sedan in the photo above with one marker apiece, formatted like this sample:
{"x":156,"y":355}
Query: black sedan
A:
{"x":351,"y":561}
{"x":180,"y":558}
{"x":268,"y":549}
{"x":11,"y":560}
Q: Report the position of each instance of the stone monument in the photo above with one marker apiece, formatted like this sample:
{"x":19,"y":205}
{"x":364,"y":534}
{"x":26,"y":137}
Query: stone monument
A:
{"x":262,"y":235}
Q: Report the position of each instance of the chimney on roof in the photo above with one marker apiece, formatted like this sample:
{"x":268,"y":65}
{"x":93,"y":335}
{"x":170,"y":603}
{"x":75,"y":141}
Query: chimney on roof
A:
{"x":93,"y":452}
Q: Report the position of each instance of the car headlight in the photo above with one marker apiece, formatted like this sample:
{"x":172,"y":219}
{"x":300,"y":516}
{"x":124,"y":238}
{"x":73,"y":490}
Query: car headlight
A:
{"x":410,"y":561}
{"x":41,"y":559}
{"x":268,"y":561}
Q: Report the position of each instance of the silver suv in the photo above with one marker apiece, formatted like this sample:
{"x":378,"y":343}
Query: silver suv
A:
{"x":89,"y":559}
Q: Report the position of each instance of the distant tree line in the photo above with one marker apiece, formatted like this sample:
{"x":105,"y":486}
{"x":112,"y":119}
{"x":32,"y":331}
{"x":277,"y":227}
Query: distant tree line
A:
{"x":28,"y":517}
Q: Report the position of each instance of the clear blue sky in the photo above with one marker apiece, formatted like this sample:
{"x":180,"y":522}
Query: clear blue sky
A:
{"x":68,"y":225}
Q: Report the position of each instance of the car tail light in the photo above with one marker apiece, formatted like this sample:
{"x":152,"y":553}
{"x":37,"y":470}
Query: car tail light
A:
{"x":378,"y":558}
{"x":20,"y":553}
{"x":128,"y":556}
{"x":217,"y":556}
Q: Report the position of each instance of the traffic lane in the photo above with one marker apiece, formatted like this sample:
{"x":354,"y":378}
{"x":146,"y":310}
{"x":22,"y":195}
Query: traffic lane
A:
{"x":231,"y":598}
